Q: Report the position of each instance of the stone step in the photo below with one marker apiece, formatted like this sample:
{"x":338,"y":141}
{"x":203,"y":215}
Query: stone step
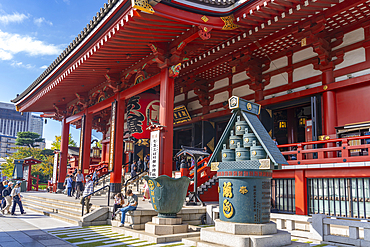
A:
{"x":57,"y":204}
{"x":43,"y":207}
{"x":66,"y":203}
{"x":65,"y":218}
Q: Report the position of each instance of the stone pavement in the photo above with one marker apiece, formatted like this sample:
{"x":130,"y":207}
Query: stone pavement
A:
{"x":19,"y":231}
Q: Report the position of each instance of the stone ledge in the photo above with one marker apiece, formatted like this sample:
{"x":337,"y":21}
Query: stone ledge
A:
{"x":167,"y":221}
{"x":154,"y":238}
{"x":165,"y":229}
{"x":245,"y":228}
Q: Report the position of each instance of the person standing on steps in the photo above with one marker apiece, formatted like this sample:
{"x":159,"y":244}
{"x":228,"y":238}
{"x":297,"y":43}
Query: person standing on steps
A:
{"x":132,"y":202}
{"x":6,"y":194}
{"x":89,"y":188}
{"x":69,"y":182}
{"x":133,"y":169}
{"x":16,"y":195}
{"x":79,"y":183}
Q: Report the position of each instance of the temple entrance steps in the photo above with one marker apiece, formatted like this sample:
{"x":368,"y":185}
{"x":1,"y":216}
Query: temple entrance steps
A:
{"x":102,"y":182}
{"x":136,"y":185}
{"x":65,"y":208}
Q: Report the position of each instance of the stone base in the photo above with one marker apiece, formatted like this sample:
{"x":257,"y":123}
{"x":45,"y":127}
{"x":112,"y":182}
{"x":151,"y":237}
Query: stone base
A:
{"x":210,"y":235}
{"x":195,"y":241}
{"x":167,"y":221}
{"x":165,"y":229}
{"x":245,"y":228}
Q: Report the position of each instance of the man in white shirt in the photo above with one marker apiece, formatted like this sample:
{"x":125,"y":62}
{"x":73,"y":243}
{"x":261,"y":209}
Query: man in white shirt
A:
{"x":89,"y":188}
{"x":79,"y":183}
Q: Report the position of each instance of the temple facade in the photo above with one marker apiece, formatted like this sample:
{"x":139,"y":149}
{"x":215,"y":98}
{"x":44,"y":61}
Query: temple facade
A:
{"x":176,"y":63}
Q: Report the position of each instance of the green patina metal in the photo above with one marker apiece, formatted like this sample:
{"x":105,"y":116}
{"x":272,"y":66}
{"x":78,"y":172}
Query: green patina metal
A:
{"x":244,"y":165}
{"x":167,"y":194}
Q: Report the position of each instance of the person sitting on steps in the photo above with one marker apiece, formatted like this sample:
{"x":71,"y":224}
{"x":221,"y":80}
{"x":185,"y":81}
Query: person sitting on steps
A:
{"x":118,"y":202}
{"x":132,"y":202}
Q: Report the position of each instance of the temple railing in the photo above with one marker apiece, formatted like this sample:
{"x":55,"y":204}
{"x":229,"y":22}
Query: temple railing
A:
{"x":351,"y":149}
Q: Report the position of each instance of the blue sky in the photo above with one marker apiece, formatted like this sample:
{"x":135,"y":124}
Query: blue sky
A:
{"x":32,"y":34}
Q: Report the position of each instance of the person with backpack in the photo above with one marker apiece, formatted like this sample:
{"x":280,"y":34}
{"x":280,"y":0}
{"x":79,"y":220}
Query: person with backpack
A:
{"x":16,"y":195}
{"x":6,"y":194}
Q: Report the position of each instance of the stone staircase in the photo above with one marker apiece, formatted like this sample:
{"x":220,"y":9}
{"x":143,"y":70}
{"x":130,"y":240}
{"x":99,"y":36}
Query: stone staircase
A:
{"x":69,"y":211}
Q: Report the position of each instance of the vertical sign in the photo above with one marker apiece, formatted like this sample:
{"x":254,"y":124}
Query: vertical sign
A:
{"x":112,"y":140}
{"x":55,"y":167}
{"x":80,"y":158}
{"x":154,"y":154}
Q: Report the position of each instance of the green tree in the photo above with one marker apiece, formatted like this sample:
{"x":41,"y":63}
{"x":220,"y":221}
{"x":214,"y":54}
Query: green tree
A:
{"x":28,"y":139}
{"x":57,"y":141}
{"x":44,"y":169}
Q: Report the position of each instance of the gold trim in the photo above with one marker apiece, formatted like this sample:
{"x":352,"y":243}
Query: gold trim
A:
{"x":142,"y":5}
{"x":214,"y":166}
{"x":229,"y":23}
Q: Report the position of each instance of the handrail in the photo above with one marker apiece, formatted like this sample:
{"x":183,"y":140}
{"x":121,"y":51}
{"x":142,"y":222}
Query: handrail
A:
{"x":101,"y":177}
{"x":83,"y":198}
{"x":339,"y":152}
{"x":133,"y":179}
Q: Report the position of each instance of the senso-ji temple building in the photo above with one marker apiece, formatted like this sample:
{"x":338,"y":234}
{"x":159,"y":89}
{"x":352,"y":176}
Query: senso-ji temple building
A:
{"x":176,"y":62}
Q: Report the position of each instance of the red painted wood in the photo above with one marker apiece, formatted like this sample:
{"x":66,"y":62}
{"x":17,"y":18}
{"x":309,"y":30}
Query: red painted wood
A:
{"x":353,"y":102}
{"x":116,"y":175}
{"x":343,"y":172}
{"x":141,"y":87}
{"x":283,"y":174}
{"x":63,"y":152}
{"x":86,"y":152}
{"x":166,"y":119}
{"x":300,"y":192}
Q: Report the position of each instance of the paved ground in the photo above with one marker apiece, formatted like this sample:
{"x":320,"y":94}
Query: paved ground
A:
{"x":28,"y":230}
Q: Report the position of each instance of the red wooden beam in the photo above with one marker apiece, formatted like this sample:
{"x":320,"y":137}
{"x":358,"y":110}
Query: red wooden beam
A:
{"x":141,"y":87}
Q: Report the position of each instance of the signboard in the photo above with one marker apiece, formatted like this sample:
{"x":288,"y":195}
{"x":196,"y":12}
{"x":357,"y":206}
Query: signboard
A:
{"x":112,"y":140}
{"x":80,"y":159}
{"x":55,"y":167}
{"x":154,"y":154}
{"x":180,"y":115}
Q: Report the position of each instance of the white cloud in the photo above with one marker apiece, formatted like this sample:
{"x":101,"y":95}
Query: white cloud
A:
{"x":15,"y":17}
{"x":11,"y":44}
{"x":5,"y":55}
{"x":20,"y":64}
{"x":66,"y":1}
{"x":44,"y":67}
{"x":39,"y":21}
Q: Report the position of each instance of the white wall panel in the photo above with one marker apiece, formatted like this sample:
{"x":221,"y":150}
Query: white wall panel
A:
{"x":194,"y":105}
{"x":221,"y":83}
{"x":277,"y":64}
{"x":191,"y":94}
{"x":220,"y":97}
{"x":352,"y":37}
{"x":352,"y":57}
{"x":179,"y":98}
{"x":240,"y":77}
{"x":305,"y":72}
{"x":242,"y":91}
{"x":278,"y":80}
{"x":303,"y":54}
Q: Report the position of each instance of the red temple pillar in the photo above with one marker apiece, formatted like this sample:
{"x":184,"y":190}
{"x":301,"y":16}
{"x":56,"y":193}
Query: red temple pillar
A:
{"x":63,"y":154}
{"x":258,"y":95}
{"x":166,"y":119}
{"x":104,"y":149}
{"x":86,"y":152}
{"x":329,"y":104}
{"x":116,"y":175}
{"x":300,"y":192}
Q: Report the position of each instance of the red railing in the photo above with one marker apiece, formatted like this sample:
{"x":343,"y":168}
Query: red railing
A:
{"x":101,"y":169}
{"x":351,"y":149}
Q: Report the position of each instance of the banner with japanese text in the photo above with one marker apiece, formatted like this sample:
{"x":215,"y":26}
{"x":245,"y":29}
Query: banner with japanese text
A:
{"x":154,"y":154}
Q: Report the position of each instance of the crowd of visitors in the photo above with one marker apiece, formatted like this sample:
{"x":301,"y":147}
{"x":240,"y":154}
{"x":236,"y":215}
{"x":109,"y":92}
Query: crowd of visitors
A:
{"x":10,"y":197}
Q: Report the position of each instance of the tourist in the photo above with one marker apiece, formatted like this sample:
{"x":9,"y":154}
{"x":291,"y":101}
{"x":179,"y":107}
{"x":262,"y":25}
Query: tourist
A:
{"x":16,"y":195}
{"x":132,"y":202}
{"x":140,"y":165}
{"x":133,"y":169}
{"x":94,"y":177}
{"x":2,"y":187}
{"x":146,"y":191}
{"x":274,"y":140}
{"x":73,"y":185}
{"x":118,"y":202}
{"x":79,"y":183}
{"x":89,"y":188}
{"x":146,"y":161}
{"x":69,"y":181}
{"x":6,"y":194}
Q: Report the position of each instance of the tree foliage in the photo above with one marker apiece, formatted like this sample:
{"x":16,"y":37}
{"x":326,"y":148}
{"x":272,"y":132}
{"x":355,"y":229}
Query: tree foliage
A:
{"x":44,"y":169}
{"x":58,"y":139}
{"x":28,"y":139}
